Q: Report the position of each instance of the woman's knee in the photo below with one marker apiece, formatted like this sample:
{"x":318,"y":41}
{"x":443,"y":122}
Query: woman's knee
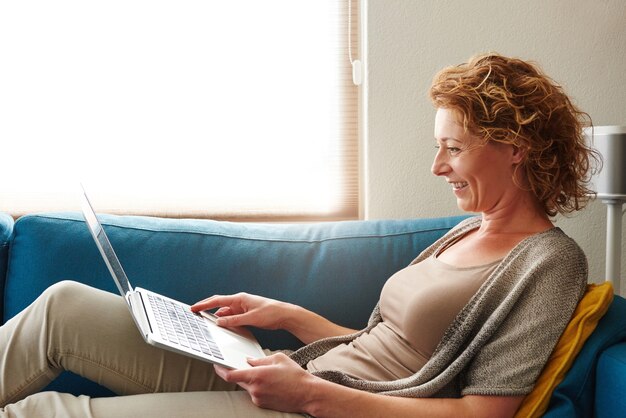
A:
{"x":68,"y":298}
{"x":65,"y":290}
{"x":49,"y":404}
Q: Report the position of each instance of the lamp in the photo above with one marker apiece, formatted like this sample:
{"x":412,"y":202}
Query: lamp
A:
{"x":610,"y":185}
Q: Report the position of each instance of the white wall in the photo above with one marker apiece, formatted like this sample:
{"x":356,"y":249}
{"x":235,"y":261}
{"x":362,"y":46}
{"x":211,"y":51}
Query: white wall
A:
{"x":580,"y":43}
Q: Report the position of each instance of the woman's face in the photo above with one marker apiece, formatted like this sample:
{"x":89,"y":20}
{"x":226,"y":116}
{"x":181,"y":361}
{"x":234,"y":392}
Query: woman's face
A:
{"x":481,"y":176}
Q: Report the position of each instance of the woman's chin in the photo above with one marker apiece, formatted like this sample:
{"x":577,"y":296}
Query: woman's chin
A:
{"x":465,"y":206}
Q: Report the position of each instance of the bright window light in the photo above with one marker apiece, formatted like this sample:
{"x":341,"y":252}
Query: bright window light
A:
{"x":170,"y":106}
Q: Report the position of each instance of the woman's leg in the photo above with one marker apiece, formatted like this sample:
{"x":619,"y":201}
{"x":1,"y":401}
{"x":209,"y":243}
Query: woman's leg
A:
{"x":91,"y":333}
{"x":158,"y":405}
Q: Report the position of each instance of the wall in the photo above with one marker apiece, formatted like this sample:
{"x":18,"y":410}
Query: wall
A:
{"x":581,"y":44}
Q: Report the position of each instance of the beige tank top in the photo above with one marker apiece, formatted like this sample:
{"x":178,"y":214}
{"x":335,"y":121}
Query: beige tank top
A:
{"x":417,"y":304}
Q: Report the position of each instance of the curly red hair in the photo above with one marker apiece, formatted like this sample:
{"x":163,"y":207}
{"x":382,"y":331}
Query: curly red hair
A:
{"x":512,"y":101}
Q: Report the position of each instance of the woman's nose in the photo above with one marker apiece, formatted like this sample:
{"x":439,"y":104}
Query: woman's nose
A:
{"x":440,"y":166}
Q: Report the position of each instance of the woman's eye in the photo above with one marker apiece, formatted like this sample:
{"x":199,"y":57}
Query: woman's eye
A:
{"x":450,"y":150}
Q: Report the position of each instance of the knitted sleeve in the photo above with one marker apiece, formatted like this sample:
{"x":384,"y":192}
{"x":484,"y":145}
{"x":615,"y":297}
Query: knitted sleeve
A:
{"x":509,"y":363}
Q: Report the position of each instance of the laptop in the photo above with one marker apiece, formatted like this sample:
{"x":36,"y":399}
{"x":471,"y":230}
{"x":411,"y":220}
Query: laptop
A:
{"x":170,"y":324}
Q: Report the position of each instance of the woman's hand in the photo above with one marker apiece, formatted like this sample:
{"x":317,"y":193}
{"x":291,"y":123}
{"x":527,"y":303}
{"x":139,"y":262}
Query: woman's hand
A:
{"x":275,"y":382}
{"x":244,"y":309}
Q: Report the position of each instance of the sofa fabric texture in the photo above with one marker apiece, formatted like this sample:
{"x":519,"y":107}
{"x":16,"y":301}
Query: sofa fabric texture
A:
{"x":336,"y":269}
{"x":580,"y":394}
{"x":6,"y":232}
{"x":611,"y":380}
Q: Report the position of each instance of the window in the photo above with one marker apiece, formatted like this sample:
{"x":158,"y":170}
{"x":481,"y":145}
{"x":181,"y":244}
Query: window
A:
{"x":239,"y":110}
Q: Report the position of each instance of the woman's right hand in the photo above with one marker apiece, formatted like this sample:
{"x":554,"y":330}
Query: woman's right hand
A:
{"x":243,"y":309}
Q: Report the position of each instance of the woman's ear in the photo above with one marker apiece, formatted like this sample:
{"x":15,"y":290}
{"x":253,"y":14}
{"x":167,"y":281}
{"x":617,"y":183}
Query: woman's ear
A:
{"x":518,"y":154}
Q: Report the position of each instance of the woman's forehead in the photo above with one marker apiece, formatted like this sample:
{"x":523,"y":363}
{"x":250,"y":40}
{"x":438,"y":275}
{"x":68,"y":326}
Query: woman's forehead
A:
{"x":448,"y":125}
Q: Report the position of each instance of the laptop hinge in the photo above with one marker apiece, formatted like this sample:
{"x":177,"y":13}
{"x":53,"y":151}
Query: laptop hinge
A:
{"x":139,"y":312}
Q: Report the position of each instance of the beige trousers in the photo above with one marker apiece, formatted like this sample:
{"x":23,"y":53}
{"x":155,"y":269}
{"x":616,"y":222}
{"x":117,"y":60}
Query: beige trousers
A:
{"x":90,"y":332}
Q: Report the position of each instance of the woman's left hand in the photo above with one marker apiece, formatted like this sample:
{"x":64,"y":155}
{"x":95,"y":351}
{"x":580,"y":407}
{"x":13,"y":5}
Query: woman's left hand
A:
{"x":274,"y":382}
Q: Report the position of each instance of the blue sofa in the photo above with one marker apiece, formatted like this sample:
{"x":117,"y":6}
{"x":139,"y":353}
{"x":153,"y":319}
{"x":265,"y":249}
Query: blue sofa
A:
{"x":336,"y":269}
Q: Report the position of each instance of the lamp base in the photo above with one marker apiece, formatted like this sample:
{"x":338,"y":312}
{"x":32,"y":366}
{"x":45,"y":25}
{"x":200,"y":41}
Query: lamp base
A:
{"x":614,"y":242}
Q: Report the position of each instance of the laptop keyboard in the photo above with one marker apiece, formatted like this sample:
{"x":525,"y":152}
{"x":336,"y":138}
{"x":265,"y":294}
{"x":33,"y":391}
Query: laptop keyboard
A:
{"x":180,"y":326}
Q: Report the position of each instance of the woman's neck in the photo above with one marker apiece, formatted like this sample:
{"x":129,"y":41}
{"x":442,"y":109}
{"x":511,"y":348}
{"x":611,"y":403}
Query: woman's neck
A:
{"x":524,"y":215}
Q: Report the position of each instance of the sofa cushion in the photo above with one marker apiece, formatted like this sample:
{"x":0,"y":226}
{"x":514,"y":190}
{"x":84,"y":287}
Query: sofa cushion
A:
{"x":574,"y":396}
{"x":585,"y":318}
{"x":611,"y":382}
{"x":336,"y":269}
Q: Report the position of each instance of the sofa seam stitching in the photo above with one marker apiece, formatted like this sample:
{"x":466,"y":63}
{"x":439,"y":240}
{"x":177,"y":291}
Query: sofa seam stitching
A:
{"x":442,"y":228}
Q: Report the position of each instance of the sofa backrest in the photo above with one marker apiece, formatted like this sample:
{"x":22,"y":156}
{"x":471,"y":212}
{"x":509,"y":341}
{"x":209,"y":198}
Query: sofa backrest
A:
{"x":336,"y":269}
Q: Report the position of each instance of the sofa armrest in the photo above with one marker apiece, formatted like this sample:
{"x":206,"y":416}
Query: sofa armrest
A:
{"x":576,"y":395}
{"x":611,"y":383}
{"x":6,"y":233}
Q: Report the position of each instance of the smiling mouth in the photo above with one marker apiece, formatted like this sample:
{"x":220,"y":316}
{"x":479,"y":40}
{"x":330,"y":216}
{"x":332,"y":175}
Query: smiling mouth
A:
{"x":458,"y":185}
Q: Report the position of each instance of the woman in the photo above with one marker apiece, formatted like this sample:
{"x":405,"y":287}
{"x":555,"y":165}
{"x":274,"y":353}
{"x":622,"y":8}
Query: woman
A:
{"x":464,"y":330}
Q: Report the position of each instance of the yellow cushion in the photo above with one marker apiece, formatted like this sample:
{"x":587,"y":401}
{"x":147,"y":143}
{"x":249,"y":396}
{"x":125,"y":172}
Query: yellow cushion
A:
{"x":590,"y":309}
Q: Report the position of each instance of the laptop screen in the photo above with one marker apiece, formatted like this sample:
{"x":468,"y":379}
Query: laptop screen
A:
{"x":103,"y":244}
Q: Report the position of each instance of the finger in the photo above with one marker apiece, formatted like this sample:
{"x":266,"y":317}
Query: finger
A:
{"x":224,"y":311}
{"x":272,"y":359}
{"x":221,"y":372}
{"x":236,"y":320}
{"x":212,"y":302}
{"x":202,"y":304}
{"x":232,"y":376}
{"x":260,"y":361}
{"x":206,"y":299}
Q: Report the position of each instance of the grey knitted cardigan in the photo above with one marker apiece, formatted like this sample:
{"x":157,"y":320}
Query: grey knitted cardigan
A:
{"x":502,"y":338}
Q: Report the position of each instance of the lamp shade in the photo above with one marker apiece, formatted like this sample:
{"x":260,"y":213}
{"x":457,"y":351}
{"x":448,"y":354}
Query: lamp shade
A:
{"x":610,"y":141}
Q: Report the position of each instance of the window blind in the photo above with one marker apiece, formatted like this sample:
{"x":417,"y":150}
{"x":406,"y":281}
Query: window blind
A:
{"x":227,"y":110}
